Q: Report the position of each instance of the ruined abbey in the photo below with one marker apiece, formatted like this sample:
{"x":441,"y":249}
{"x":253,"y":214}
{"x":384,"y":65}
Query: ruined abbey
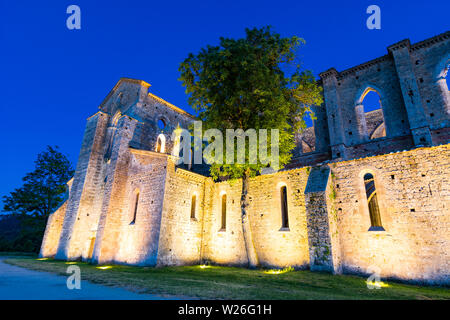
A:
{"x":365,"y":191}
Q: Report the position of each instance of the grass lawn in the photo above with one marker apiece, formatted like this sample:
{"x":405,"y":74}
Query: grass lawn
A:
{"x":235,"y":283}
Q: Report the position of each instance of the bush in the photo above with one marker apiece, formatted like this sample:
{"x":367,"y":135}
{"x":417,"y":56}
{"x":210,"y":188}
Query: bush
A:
{"x":21,"y":233}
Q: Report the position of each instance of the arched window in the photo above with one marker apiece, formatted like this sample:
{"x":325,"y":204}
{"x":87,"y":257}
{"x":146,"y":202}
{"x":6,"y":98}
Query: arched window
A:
{"x":373,"y":114}
{"x":161,"y":143}
{"x":224,"y":213}
{"x":161,"y":124}
{"x":447,"y":77}
{"x":443,"y":82}
{"x":111,"y":133}
{"x":91,"y":248}
{"x":135,"y":206}
{"x":190,"y":160}
{"x":284,"y":208}
{"x":193,"y":206}
{"x":372,"y":201}
{"x":370,"y":116}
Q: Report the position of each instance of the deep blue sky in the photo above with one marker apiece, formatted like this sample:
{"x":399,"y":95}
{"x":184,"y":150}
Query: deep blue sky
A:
{"x":53,"y":78}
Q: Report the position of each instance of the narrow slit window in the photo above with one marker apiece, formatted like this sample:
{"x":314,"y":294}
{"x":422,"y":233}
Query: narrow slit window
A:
{"x":135,"y":207}
{"x":158,"y":145}
{"x":193,"y":204}
{"x":224,"y":212}
{"x":110,"y":144}
{"x":91,"y":248}
{"x":284,"y":208}
{"x":372,"y":202}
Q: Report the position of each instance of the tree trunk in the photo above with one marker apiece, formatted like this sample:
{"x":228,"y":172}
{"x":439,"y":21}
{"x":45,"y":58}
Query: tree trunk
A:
{"x":252,"y":257}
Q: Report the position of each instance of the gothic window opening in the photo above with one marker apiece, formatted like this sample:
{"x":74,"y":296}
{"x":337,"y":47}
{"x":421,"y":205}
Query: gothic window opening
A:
{"x":135,"y":207}
{"x":193,"y":206}
{"x":447,"y":77}
{"x":161,"y":143}
{"x":91,"y":248}
{"x":110,"y":144}
{"x":372,"y":202}
{"x":111,"y":134}
{"x":161,"y":124}
{"x":190,"y":160}
{"x":224,"y":213}
{"x":284,"y":208}
{"x":373,"y":114}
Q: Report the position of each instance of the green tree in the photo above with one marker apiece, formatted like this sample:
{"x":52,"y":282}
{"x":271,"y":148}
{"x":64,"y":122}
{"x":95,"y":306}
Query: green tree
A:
{"x":43,"y":189}
{"x":42,"y":192}
{"x":253,"y":82}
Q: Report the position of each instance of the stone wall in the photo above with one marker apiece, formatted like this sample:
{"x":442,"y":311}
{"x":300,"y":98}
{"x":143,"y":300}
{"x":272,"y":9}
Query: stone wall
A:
{"x":415,"y":99}
{"x":431,"y":59}
{"x":138,"y":238}
{"x":274,"y":246}
{"x":323,"y":237}
{"x":84,"y":189}
{"x":413,"y":189}
{"x":181,"y":235}
{"x":53,"y":232}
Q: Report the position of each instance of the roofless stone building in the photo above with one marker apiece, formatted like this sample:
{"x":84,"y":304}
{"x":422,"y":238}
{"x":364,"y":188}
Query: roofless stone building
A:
{"x":365,"y":189}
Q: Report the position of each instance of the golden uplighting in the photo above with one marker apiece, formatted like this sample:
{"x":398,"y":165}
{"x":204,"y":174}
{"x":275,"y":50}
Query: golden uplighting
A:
{"x":42,"y":259}
{"x":377,"y":284}
{"x":104,"y":267}
{"x":279,"y":271}
{"x":204,"y":266}
{"x":71,"y":262}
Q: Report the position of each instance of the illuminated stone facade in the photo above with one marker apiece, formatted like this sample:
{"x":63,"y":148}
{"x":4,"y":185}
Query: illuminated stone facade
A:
{"x":129,"y":203}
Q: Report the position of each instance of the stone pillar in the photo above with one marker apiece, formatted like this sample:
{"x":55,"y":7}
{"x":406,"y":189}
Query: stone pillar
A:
{"x":333,"y":108}
{"x":361,"y":120}
{"x":84,"y":185}
{"x":323,"y":238}
{"x":410,"y":91}
{"x":106,"y":244}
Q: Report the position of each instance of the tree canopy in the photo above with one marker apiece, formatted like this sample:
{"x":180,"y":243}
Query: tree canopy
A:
{"x":248,"y":84}
{"x":44,"y":188}
{"x":254,"y":82}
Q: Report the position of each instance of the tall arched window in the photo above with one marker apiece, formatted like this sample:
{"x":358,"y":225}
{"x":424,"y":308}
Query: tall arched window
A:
{"x":372,"y":201}
{"x":193,"y":206}
{"x":161,"y":143}
{"x":443,"y":82}
{"x":135,"y":207}
{"x":284,"y":208}
{"x":91,"y":248}
{"x":111,"y":133}
{"x":224,"y":213}
{"x":447,"y":77}
{"x":369,"y":115}
{"x":190,"y":160}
